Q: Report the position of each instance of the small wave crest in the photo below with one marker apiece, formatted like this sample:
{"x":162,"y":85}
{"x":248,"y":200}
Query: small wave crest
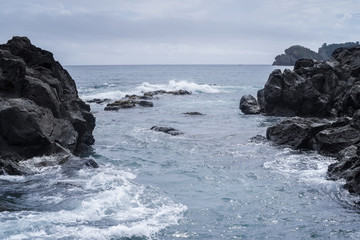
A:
{"x":177,"y":85}
{"x":92,"y":204}
{"x":308,"y":166}
{"x":148,"y":87}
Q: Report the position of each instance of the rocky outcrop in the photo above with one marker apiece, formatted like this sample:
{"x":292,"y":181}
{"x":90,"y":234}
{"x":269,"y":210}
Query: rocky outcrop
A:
{"x":130,"y":101}
{"x":327,"y":50}
{"x":297,"y":52}
{"x":40,"y":111}
{"x":322,"y":89}
{"x":323,"y":99}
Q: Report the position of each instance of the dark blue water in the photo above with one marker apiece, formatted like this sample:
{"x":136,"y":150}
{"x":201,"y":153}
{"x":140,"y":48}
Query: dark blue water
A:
{"x":212,"y":182}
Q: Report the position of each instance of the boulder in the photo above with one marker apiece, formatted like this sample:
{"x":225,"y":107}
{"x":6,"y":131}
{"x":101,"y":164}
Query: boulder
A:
{"x":249,"y":105}
{"x":296,"y":132}
{"x":40,"y":110}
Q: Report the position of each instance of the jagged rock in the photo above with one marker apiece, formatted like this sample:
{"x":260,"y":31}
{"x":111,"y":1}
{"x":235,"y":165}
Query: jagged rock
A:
{"x":249,"y":105}
{"x":296,"y":132}
{"x":348,"y":168}
{"x":168,"y":130}
{"x":333,"y":140}
{"x":40,"y":111}
{"x":328,"y":90}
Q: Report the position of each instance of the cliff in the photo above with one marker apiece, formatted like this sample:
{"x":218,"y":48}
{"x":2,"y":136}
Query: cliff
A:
{"x":294,"y":53}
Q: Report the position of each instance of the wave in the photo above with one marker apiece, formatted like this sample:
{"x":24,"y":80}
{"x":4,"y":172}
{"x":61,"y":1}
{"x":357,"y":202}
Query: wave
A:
{"x":195,"y":88}
{"x":101,"y":203}
{"x":307,"y":166}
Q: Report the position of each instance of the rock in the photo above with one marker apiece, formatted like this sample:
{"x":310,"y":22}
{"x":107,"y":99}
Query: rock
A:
{"x":348,"y":168}
{"x":295,"y":53}
{"x":258,"y":139}
{"x":329,"y":91}
{"x":168,"y":130}
{"x":333,"y":140}
{"x":146,"y":104}
{"x":249,"y":105}
{"x":120,"y":104}
{"x":296,"y":132}
{"x":194,"y":114}
{"x":40,"y":110}
{"x":98,"y":100}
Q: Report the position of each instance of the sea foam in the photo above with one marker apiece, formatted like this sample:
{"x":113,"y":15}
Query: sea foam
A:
{"x":87,"y":94}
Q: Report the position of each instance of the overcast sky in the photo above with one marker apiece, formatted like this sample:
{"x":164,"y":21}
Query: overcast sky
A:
{"x":178,"y":31}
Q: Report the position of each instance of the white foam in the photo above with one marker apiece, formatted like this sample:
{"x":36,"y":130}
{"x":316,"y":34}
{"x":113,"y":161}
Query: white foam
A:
{"x":113,"y":206}
{"x":178,"y":85}
{"x":309,"y":167}
{"x":147,"y":87}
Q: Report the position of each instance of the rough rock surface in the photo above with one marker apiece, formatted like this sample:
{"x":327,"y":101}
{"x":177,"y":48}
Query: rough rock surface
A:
{"x":249,"y":105}
{"x":40,"y":111}
{"x":321,"y":89}
{"x":327,"y":96}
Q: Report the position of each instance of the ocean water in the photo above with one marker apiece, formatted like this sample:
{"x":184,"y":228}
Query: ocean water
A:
{"x":212,"y":182}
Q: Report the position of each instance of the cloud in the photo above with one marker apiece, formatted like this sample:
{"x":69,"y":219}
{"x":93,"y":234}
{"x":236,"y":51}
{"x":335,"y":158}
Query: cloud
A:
{"x":134,"y":29}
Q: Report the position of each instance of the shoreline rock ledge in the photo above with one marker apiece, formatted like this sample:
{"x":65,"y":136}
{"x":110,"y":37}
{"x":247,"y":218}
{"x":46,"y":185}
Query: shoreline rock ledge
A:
{"x":322,"y":100}
{"x":40,"y":110}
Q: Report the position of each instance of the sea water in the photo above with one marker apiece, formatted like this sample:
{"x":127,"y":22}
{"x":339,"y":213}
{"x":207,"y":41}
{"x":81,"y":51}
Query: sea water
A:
{"x":211,"y":182}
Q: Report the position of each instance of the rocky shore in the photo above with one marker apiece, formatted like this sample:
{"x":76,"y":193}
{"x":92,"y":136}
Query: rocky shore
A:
{"x":40,"y":111}
{"x":323,"y":101}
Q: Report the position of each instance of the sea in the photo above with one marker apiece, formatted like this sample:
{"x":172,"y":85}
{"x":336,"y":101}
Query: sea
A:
{"x":214,"y":181}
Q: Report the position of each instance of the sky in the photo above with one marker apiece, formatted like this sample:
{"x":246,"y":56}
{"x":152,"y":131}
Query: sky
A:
{"x":94,"y":32}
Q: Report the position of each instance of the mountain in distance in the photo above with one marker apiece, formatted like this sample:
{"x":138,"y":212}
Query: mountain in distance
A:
{"x":296,"y":52}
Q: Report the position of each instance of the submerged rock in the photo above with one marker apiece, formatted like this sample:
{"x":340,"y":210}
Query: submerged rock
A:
{"x":194,"y":114}
{"x":167,"y":130}
{"x":40,"y":110}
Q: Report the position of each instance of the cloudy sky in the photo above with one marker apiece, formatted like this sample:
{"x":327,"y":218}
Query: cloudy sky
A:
{"x":178,"y":31}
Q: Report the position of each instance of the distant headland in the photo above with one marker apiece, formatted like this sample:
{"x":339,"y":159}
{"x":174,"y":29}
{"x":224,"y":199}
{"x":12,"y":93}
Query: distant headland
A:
{"x":296,"y":52}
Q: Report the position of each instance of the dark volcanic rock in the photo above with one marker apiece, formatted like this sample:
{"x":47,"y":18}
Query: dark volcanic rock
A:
{"x":328,"y":90}
{"x":348,"y":168}
{"x":249,"y":105}
{"x":296,"y":132}
{"x":40,"y":111}
{"x":320,"y":89}
{"x":168,"y":130}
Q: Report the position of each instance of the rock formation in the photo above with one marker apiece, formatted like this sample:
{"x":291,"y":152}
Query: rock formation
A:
{"x":297,"y":52}
{"x":40,"y":111}
{"x":294,"y":53}
{"x":327,"y":94}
